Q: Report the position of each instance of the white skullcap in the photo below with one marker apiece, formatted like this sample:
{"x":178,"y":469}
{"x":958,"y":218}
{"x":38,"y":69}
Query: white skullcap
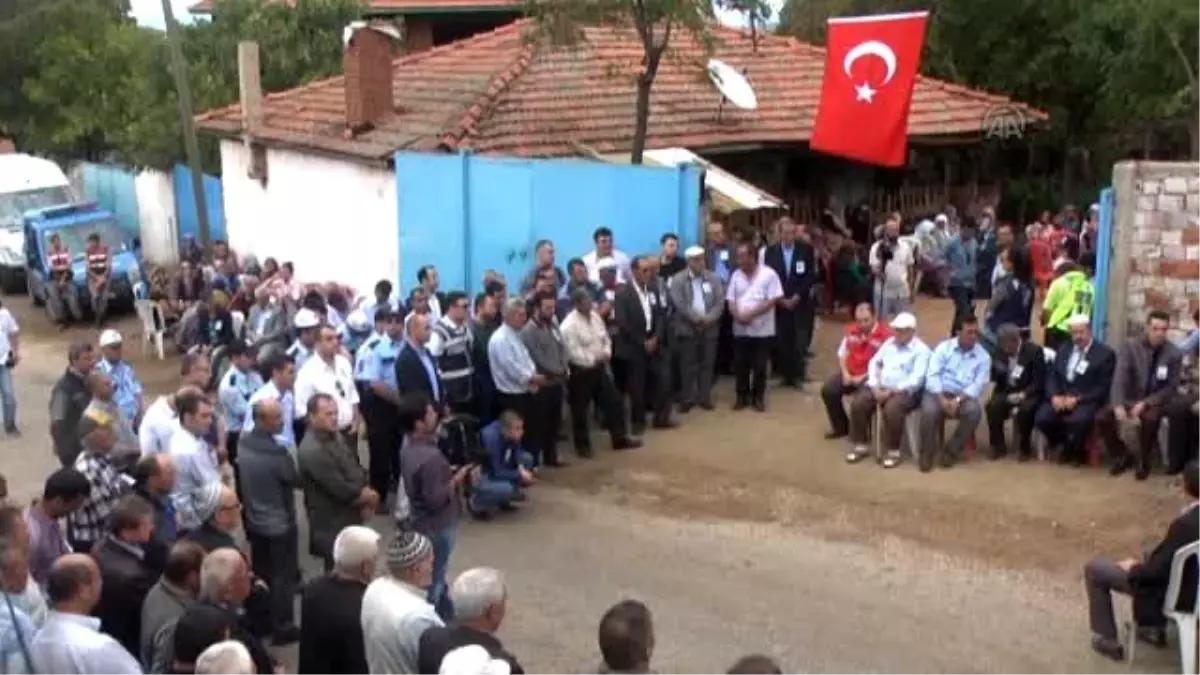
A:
{"x":694,"y":252}
{"x":110,"y":338}
{"x":942,"y":218}
{"x":357,"y":320}
{"x":606,"y":264}
{"x":306,"y":318}
{"x":904,"y":321}
{"x":1079,"y":320}
{"x":472,"y":660}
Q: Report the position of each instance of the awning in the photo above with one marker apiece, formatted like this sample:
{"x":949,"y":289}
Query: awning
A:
{"x":727,"y":192}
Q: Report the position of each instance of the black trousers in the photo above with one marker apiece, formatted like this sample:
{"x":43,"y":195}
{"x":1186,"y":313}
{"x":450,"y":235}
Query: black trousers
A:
{"x":276,"y":560}
{"x":585,"y":387}
{"x":750,"y":355}
{"x":998,"y":410}
{"x":383,"y":443}
{"x":724,"y":362}
{"x":1183,"y":434}
{"x":523,"y":405}
{"x":547,"y":417}
{"x":964,"y":306}
{"x":793,"y":338}
{"x":832,"y":392}
{"x":648,"y":386}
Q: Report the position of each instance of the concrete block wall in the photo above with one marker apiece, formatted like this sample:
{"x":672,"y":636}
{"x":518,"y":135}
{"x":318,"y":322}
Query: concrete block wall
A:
{"x":1156,"y":246}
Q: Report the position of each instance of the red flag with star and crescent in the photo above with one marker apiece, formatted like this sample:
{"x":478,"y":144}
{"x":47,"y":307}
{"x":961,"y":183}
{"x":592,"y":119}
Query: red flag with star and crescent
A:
{"x":871,"y":65}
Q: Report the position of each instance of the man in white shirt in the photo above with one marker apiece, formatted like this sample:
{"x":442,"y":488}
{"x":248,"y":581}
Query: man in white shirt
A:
{"x":70,"y":641}
{"x":10,"y":355}
{"x":895,"y":380}
{"x":395,"y":612}
{"x":589,"y":351}
{"x":330,"y":373}
{"x":196,"y":461}
{"x":603,"y":239}
{"x":752,"y":294}
{"x":892,"y":260}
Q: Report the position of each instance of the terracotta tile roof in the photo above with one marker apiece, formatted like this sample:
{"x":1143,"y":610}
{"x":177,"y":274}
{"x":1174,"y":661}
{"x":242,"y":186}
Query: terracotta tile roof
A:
{"x":500,"y":93}
{"x":401,"y":6}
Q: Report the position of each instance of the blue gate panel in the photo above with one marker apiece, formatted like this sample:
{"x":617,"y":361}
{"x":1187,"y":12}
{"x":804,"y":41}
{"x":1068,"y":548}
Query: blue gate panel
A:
{"x":185,"y":205}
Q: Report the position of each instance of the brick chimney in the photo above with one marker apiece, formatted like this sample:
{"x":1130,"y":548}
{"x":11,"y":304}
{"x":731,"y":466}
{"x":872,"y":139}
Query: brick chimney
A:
{"x":367,"y":63}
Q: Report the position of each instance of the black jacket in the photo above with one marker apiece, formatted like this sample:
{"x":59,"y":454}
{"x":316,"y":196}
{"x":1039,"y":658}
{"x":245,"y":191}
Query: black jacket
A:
{"x":437,"y":642}
{"x":414,"y":378}
{"x":1093,"y":384}
{"x":331,"y":637}
{"x":1031,"y":360}
{"x":125,"y":580}
{"x":794,"y":281}
{"x":632,"y":331}
{"x":242,"y":633}
{"x":1149,"y":579}
{"x":68,"y":400}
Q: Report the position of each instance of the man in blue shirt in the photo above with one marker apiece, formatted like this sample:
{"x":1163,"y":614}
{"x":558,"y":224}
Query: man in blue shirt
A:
{"x":237,"y":386}
{"x":961,"y":254}
{"x":508,"y":468}
{"x":375,"y":371}
{"x":127,"y":388}
{"x":959,"y":369}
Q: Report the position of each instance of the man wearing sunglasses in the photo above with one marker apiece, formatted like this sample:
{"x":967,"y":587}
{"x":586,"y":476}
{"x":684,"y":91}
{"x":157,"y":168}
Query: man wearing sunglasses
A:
{"x":329,"y":372}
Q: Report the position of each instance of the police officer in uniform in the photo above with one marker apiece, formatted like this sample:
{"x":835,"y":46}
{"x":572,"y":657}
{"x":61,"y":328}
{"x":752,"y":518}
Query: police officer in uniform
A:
{"x":375,"y":371}
{"x":308,"y":325}
{"x":62,"y":296}
{"x":239,"y":383}
{"x":99,"y":267}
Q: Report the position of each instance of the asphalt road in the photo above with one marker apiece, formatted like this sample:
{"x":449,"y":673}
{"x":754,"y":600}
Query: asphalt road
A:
{"x":718,"y":588}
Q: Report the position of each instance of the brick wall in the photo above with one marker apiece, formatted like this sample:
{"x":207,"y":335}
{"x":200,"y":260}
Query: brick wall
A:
{"x":1156,"y":254}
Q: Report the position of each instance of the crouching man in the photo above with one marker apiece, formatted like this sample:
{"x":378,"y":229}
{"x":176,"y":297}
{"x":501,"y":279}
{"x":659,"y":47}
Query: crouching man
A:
{"x":507,"y":469}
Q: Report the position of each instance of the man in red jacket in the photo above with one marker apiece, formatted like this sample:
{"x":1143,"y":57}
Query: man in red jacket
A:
{"x":863,"y":338}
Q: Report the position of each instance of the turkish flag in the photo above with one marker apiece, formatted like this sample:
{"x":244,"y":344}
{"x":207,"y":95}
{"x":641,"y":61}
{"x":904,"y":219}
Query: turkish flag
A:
{"x":871,"y":66}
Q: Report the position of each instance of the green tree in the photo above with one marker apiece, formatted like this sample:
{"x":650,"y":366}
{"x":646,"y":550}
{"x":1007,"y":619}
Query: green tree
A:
{"x":561,"y":22}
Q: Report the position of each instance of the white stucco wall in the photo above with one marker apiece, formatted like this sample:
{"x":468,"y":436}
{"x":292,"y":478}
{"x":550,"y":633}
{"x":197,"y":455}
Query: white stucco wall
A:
{"x":335,"y":220}
{"x":156,"y":214}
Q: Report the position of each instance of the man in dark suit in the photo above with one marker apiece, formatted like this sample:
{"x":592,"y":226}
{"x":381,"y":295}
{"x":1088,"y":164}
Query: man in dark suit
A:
{"x":416,"y":370}
{"x":1077,"y":387}
{"x":125,"y":576}
{"x":1144,"y":386}
{"x":1146,"y":580}
{"x":640,"y":326}
{"x":795,"y":262}
{"x":719,"y":258}
{"x":1019,"y":372}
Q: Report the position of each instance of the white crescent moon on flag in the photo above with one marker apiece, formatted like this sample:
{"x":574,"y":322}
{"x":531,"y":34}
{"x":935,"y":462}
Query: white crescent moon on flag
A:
{"x":871,"y":48}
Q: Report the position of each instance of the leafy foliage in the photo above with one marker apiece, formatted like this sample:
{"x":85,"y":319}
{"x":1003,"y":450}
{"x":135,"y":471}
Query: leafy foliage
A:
{"x":78,"y":80}
{"x":655,"y":21}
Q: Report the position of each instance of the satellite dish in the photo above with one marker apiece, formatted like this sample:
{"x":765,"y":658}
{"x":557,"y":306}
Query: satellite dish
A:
{"x":732,"y":85}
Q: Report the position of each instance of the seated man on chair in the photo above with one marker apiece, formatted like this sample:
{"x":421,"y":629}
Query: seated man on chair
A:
{"x":1183,"y":415}
{"x":893,"y":389}
{"x":1019,"y":372}
{"x":507,"y":469}
{"x":863,"y":339}
{"x":1146,"y":580}
{"x":1077,"y":386}
{"x":958,"y":371}
{"x":1144,"y":386}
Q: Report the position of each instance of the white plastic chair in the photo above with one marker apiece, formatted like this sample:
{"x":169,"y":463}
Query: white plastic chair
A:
{"x":1185,"y":622}
{"x":153,"y":326}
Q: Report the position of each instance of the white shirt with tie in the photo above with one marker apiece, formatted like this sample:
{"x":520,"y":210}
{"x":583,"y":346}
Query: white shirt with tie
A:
{"x":1077,"y":364}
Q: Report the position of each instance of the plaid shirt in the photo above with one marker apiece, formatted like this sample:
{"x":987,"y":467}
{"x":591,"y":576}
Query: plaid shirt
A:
{"x":89,"y":523}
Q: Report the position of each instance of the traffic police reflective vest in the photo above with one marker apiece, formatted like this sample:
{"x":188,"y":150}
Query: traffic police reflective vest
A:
{"x":454,"y":361}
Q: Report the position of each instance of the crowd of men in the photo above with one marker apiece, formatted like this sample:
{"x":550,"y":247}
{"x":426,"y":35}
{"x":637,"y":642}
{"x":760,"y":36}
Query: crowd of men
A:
{"x":461,"y":400}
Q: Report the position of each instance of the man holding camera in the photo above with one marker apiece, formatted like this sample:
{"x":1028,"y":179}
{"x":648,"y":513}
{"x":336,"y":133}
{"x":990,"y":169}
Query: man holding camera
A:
{"x":892,"y":260}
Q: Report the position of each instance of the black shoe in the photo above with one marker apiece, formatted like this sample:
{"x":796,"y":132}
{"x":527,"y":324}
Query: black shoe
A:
{"x":584,"y":453}
{"x":1108,"y":647}
{"x":665,"y":424}
{"x":740,"y":404}
{"x":1153,"y":636}
{"x":925,"y":461}
{"x":509,"y":507}
{"x":947,"y":460}
{"x":707,"y":405}
{"x":285,"y":636}
{"x":790,"y":383}
{"x":834,"y":435}
{"x":13,"y":431}
{"x":627,"y":444}
{"x":637,"y":430}
{"x":1142,"y":472}
{"x":481,"y":516}
{"x":685,"y":407}
{"x":1121,"y":466}
{"x":998,"y":451}
{"x":760,"y":405}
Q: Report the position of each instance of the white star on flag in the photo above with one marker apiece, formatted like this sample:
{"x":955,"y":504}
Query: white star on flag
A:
{"x":865,"y":93}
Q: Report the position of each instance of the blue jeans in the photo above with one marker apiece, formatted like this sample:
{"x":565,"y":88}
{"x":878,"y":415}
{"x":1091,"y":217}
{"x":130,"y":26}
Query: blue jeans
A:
{"x":8,"y":397}
{"x":489,"y":494}
{"x":443,"y":542}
